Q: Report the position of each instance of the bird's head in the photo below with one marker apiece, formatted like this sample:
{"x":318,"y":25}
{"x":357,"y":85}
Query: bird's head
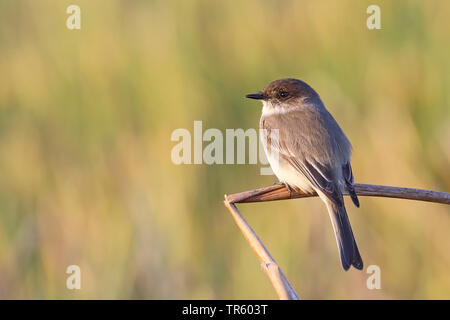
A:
{"x":284,"y":93}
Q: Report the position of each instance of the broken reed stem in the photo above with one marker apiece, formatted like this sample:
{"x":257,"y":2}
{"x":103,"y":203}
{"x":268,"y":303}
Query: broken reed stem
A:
{"x":279,"y":281}
{"x":279,"y":192}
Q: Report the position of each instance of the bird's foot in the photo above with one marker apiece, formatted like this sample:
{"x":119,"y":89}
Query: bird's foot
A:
{"x":286,"y":185}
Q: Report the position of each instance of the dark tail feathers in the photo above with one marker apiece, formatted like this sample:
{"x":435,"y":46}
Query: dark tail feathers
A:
{"x":348,"y":249}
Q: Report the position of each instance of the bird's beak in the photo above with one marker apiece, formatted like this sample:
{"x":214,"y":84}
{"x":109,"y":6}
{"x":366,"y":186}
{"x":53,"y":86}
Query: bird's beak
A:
{"x":257,"y":96}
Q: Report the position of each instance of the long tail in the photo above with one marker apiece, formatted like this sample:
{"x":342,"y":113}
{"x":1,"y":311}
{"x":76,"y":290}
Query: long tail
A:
{"x":348,"y":249}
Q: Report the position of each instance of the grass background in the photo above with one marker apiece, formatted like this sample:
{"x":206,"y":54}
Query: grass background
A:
{"x":86,"y":116}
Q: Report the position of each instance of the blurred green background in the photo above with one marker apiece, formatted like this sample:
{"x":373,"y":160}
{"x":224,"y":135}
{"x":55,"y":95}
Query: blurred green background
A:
{"x":86,"y":116}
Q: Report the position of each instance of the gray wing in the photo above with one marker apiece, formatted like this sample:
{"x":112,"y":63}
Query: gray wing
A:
{"x":348,"y":177}
{"x":311,"y":149}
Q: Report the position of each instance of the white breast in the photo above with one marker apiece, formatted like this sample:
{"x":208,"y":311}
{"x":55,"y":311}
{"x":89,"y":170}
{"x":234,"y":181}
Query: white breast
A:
{"x":282,"y":169}
{"x":288,"y":174}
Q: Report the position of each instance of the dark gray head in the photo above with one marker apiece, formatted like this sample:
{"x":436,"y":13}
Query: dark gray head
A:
{"x":285,"y":92}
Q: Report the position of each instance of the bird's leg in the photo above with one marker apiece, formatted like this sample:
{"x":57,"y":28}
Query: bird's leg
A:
{"x":286,"y":185}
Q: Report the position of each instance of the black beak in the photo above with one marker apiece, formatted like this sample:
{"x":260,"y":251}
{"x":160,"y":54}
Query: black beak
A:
{"x":257,"y":96}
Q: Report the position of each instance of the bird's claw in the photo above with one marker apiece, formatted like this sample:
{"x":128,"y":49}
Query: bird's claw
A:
{"x":286,"y":185}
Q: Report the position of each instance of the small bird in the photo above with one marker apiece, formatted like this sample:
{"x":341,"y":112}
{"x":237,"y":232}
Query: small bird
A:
{"x":307,"y":150}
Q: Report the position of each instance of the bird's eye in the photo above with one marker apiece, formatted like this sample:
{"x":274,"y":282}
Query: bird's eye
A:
{"x":284,"y":94}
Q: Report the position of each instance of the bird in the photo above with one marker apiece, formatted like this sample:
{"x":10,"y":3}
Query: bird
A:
{"x":308,"y":150}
